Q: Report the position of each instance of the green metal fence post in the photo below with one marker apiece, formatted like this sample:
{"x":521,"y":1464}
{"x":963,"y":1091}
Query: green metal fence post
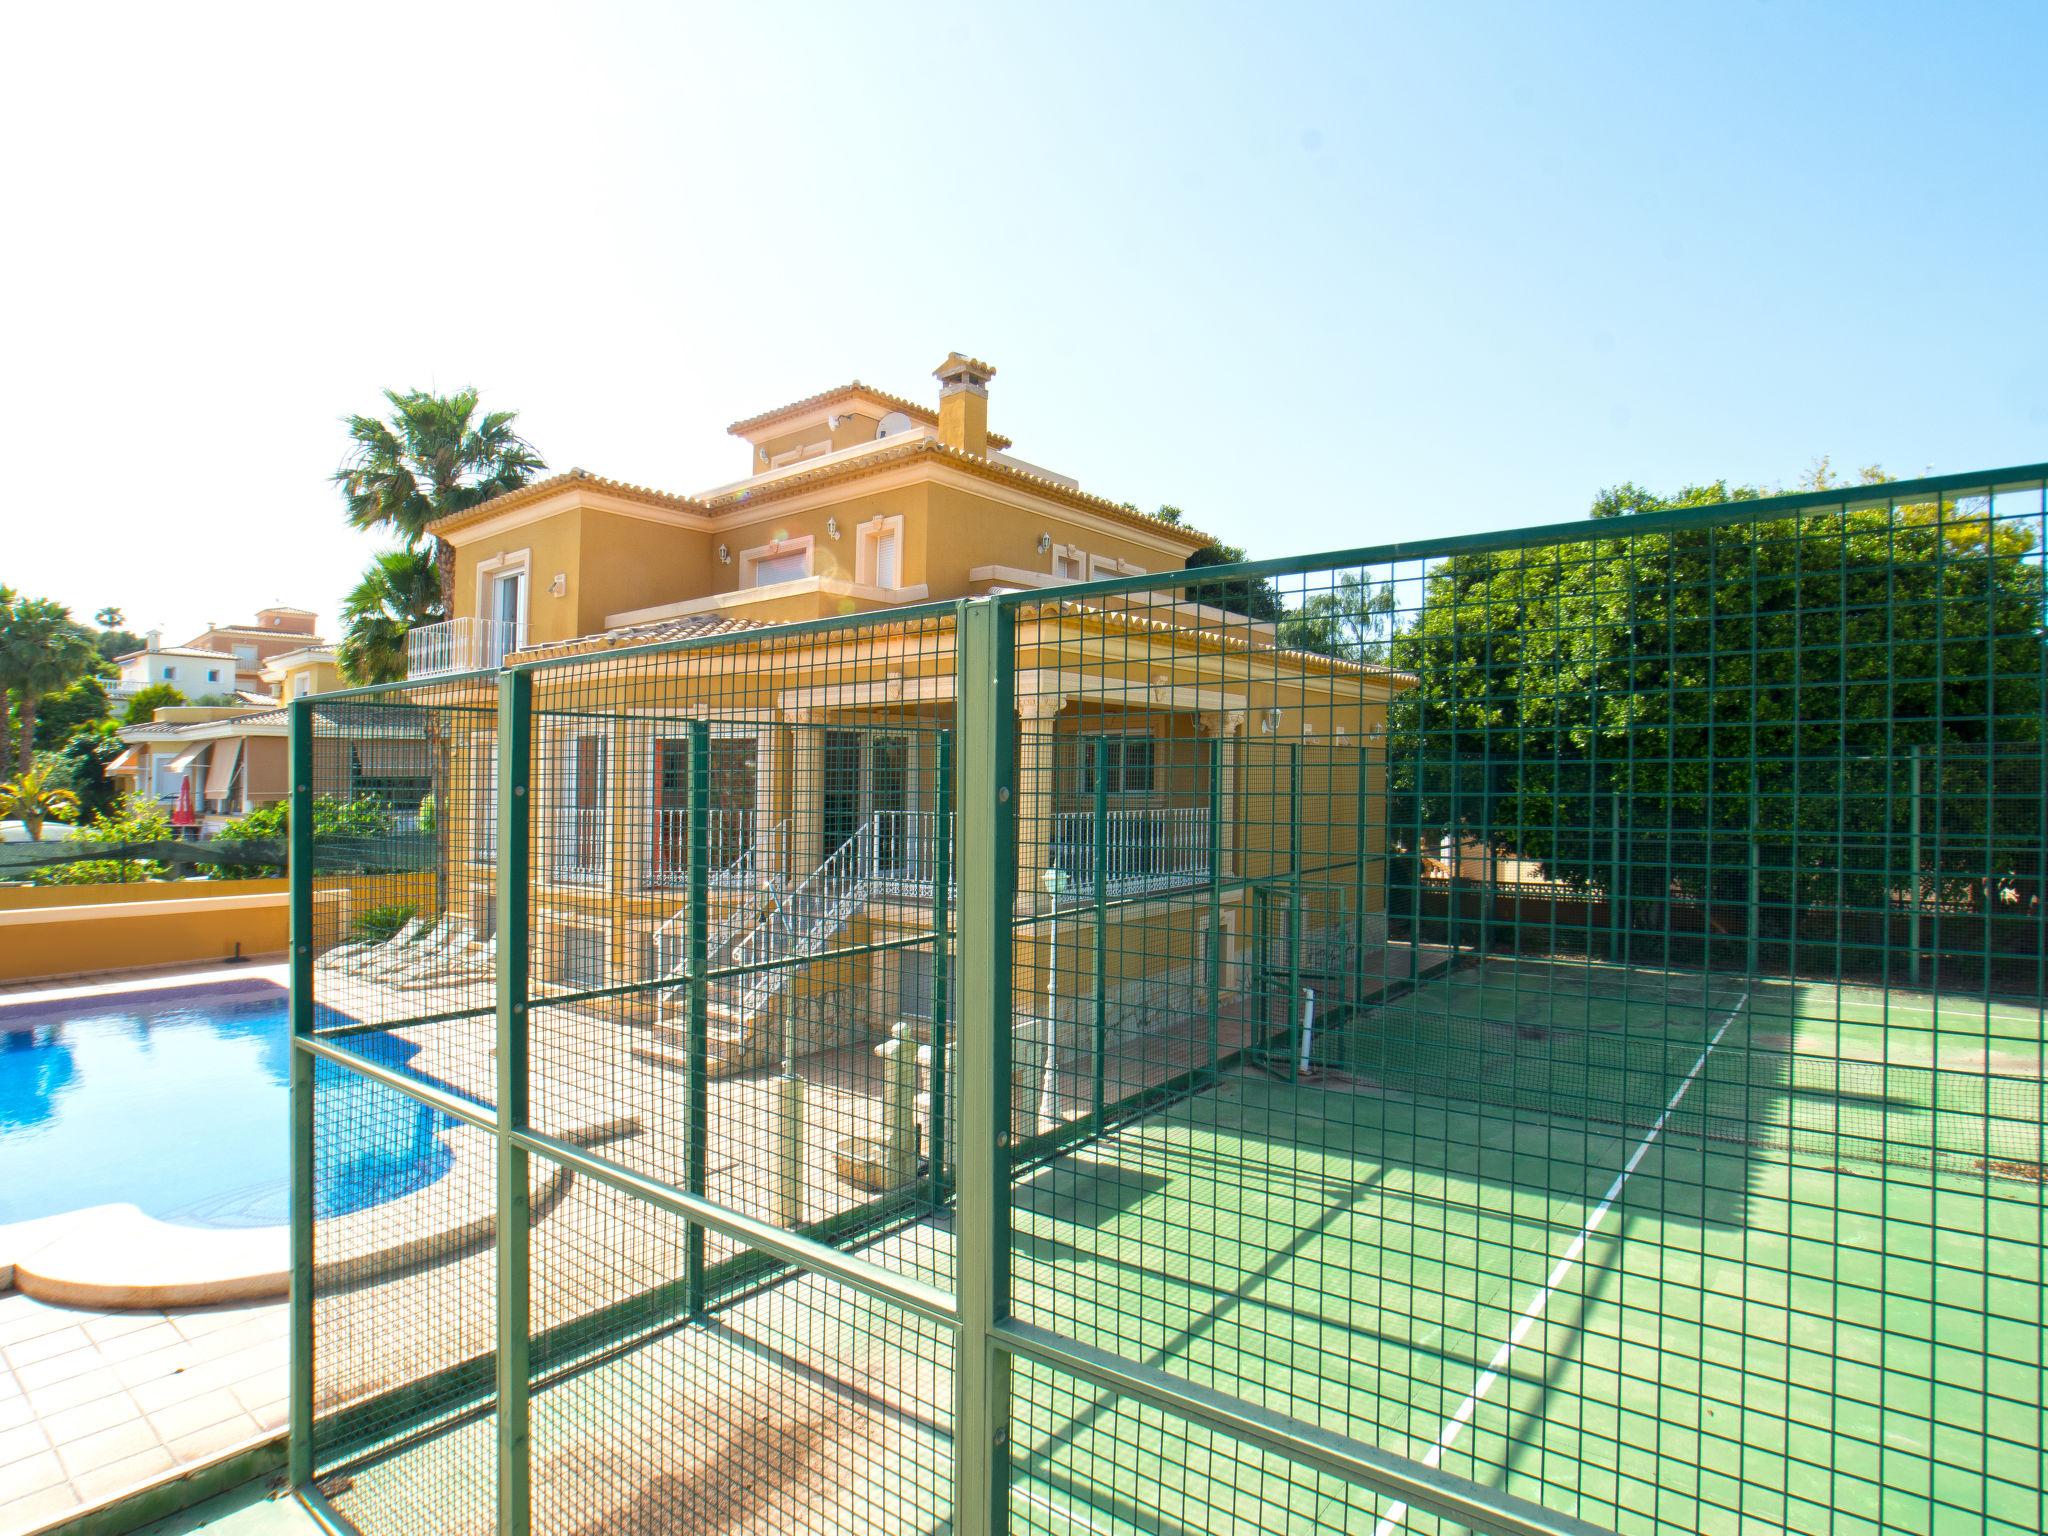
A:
{"x":1358,"y":895}
{"x":1913,"y":856}
{"x":942,"y":960}
{"x":985,"y":695}
{"x":697,"y":1046}
{"x":1755,"y":886}
{"x":515,"y":1213}
{"x":1101,"y":927}
{"x":1614,"y":920}
{"x":302,"y":1101}
{"x":1215,"y":900}
{"x":1292,"y":1005}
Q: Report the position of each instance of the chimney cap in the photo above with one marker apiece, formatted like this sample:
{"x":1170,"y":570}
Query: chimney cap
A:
{"x":960,"y":371}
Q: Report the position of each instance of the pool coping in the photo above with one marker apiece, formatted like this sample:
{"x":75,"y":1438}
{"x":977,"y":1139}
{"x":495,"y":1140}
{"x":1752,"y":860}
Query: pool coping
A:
{"x":116,"y":1257}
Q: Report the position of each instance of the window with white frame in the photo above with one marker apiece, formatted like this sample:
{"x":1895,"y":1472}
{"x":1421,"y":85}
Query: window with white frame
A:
{"x":245,"y":656}
{"x":785,"y":560}
{"x":1069,"y":564}
{"x":580,"y":835}
{"x":213,"y":674}
{"x":878,"y":555}
{"x":170,"y":674}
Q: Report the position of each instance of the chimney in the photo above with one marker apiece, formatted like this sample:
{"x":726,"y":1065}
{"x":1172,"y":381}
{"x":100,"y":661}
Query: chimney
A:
{"x":963,"y":403}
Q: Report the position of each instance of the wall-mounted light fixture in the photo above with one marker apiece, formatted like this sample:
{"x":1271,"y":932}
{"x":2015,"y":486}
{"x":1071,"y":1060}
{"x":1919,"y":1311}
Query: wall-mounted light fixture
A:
{"x":559,"y":587}
{"x":1044,"y":542}
{"x":724,"y":555}
{"x":1270,"y":724}
{"x":761,"y":454}
{"x":832,"y":527}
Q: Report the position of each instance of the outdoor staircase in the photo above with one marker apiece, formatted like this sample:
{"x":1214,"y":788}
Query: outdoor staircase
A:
{"x":772,"y":942}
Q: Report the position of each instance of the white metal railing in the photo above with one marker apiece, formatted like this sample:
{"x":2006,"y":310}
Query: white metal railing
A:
{"x":461,"y":645}
{"x":580,"y":851}
{"x":1144,"y":849}
{"x":904,"y":848}
{"x":740,"y":852}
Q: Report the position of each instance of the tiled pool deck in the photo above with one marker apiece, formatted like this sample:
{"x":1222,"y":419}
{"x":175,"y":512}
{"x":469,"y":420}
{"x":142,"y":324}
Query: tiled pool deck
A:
{"x":94,"y":1403}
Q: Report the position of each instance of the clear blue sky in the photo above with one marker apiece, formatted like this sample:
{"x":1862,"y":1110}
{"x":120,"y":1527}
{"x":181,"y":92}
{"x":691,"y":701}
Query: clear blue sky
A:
{"x":1322,"y":276}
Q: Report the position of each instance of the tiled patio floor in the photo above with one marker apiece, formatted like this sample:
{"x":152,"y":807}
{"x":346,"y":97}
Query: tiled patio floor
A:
{"x":93,"y":1403}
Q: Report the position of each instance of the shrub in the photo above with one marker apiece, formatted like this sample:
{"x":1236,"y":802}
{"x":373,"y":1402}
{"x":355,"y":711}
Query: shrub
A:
{"x":376,"y":924}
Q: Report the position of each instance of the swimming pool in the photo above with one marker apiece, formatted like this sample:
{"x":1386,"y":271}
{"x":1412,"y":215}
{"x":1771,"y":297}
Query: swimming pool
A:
{"x":177,"y":1101}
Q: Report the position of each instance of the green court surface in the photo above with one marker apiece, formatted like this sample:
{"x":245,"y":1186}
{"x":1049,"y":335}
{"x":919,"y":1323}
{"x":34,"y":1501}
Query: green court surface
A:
{"x":1517,"y":1227}
{"x":1669,"y":1253}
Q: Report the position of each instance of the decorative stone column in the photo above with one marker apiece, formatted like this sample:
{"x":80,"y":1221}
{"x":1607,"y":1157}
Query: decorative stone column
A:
{"x":1226,"y":726}
{"x":807,"y":793}
{"x":1036,"y":713}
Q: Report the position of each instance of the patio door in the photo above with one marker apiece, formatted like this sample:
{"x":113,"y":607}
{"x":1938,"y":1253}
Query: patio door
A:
{"x":731,"y":801}
{"x":508,"y":602}
{"x":670,"y":853}
{"x":840,"y":811}
{"x":888,"y":789}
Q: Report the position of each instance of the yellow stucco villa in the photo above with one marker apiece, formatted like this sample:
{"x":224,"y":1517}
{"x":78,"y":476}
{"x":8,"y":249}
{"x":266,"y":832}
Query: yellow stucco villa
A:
{"x":1173,"y":757}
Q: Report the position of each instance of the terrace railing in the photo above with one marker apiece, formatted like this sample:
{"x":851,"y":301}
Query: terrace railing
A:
{"x":582,"y":844}
{"x":460,"y":645}
{"x":1146,"y":849}
{"x":741,"y":853}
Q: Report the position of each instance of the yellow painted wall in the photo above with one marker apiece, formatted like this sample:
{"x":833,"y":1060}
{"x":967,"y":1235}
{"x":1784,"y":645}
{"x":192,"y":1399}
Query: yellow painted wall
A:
{"x":40,"y":942}
{"x":17,"y":898}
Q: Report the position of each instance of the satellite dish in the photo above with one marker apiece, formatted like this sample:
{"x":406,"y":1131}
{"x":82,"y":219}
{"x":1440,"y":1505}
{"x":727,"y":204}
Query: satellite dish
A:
{"x":894,"y":422}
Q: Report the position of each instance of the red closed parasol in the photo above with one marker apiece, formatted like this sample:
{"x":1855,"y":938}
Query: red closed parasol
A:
{"x":182,"y":816}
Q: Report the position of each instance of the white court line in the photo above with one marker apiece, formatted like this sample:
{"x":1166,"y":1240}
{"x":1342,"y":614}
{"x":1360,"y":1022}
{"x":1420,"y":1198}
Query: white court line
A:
{"x":1498,"y":1365}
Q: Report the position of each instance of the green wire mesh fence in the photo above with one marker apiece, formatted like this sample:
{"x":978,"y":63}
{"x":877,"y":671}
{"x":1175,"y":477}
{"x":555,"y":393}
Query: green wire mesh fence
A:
{"x":1537,"y":1032}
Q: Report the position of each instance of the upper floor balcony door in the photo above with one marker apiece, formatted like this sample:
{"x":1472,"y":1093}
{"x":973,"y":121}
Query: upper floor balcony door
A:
{"x":507,"y":613}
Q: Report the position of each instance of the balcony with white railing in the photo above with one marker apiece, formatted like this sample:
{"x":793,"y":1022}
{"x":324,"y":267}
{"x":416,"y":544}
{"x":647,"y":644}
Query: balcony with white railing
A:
{"x":580,"y":855}
{"x":741,"y":852}
{"x":903,"y":854}
{"x":461,"y":645}
{"x":1152,"y":848}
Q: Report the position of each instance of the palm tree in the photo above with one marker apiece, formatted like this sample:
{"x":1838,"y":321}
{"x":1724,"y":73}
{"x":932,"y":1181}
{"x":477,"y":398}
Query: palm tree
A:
{"x":432,"y":458}
{"x":42,"y":649}
{"x":33,"y":799}
{"x":399,"y":592}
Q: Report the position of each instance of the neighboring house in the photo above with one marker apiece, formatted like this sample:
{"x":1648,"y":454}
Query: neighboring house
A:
{"x":302,"y":670}
{"x":824,"y":761}
{"x":222,"y":659}
{"x":194,"y":671}
{"x":234,"y":758}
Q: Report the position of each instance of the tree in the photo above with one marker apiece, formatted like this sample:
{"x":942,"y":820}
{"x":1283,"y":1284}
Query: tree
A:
{"x":41,"y":650}
{"x":399,"y":592}
{"x":434,"y":456}
{"x":60,"y":714}
{"x":32,"y":797}
{"x":1255,"y":597}
{"x":1683,"y":683}
{"x":1355,"y":620}
{"x":80,"y":765}
{"x":113,"y":639}
{"x":145,"y":702}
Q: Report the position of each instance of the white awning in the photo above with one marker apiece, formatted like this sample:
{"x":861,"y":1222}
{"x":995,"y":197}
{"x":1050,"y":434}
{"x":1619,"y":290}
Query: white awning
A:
{"x":183,"y":762}
{"x":221,"y":773}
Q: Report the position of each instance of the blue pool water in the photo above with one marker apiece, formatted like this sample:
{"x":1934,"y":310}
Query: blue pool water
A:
{"x":177,"y":1102}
